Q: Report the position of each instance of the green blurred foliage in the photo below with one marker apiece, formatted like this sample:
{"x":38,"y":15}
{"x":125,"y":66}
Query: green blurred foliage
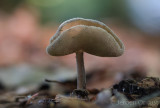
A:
{"x":65,"y":9}
{"x":58,"y":10}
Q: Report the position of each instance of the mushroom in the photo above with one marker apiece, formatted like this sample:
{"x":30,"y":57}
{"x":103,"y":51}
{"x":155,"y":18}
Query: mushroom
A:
{"x":80,"y":35}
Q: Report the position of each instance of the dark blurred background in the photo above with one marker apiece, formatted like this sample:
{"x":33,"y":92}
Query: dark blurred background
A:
{"x":27,"y":25}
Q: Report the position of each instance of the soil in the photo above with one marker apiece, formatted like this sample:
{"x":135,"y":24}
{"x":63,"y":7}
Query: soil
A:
{"x":145,"y":90}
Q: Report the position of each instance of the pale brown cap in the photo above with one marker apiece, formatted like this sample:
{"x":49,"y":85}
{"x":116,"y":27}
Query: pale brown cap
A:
{"x":86,"y":35}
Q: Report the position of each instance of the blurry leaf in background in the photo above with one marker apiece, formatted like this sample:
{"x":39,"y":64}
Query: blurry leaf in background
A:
{"x":58,"y":10}
{"x":65,"y":9}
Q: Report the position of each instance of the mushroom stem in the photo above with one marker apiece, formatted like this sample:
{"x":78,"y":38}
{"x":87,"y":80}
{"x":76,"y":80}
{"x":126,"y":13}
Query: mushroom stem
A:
{"x":81,"y":76}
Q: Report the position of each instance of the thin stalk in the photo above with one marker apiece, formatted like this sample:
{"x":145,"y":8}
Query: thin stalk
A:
{"x":81,"y":76}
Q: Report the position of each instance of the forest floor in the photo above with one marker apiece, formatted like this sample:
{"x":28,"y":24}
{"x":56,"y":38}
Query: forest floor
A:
{"x":142,"y":93}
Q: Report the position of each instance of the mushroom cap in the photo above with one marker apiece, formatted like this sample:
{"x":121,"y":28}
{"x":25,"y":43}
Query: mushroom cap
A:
{"x":86,"y":35}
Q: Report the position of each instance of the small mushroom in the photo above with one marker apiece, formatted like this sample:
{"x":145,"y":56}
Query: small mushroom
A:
{"x":80,"y":35}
